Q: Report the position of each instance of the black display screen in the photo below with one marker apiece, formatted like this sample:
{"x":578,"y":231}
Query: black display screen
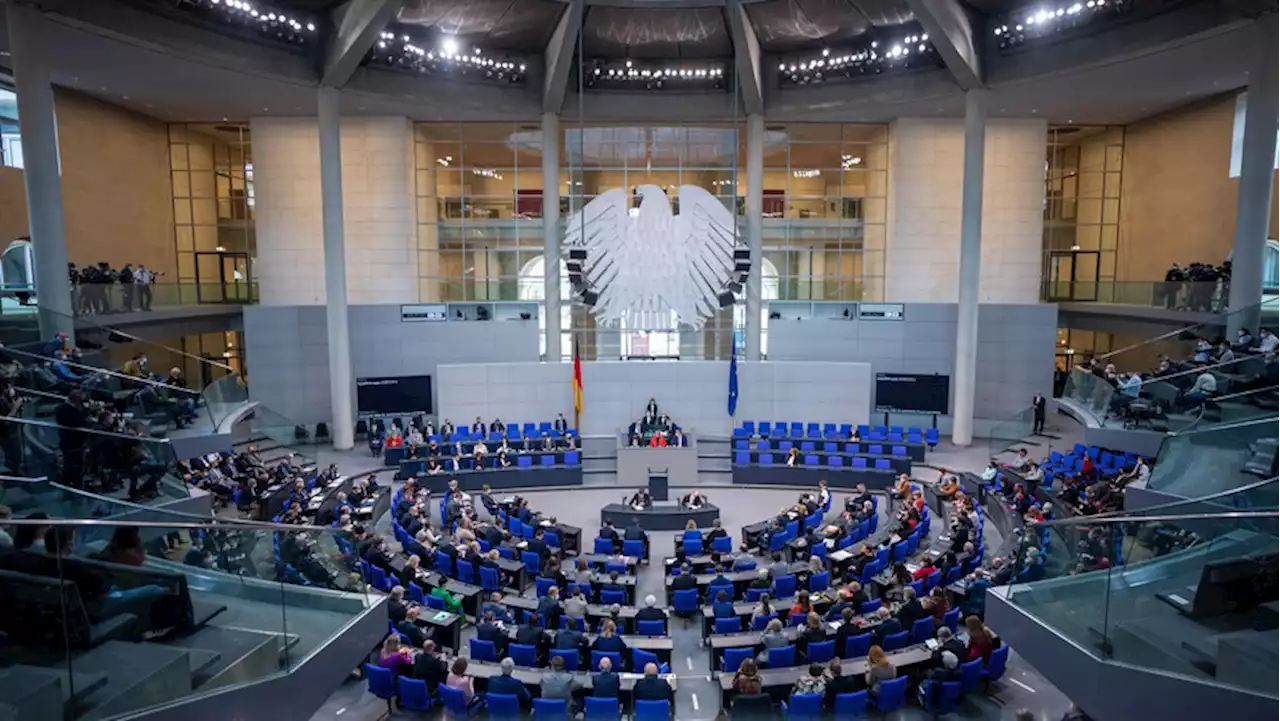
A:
{"x":906,"y":392}
{"x":398,"y":394}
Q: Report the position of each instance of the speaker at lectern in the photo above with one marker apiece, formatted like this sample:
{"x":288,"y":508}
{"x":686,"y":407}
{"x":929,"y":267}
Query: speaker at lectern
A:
{"x":658,"y":485}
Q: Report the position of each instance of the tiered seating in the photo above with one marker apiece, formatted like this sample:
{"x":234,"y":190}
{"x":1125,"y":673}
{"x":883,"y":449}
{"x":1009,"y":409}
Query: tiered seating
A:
{"x":515,"y":435}
{"x":1107,"y":462}
{"x":834,"y":432}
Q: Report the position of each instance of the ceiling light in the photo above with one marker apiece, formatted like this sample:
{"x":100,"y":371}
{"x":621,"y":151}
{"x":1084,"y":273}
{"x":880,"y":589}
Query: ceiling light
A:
{"x":449,"y":46}
{"x":825,"y":52}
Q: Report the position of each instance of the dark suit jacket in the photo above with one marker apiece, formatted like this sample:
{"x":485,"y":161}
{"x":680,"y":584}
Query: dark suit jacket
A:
{"x":910,"y":613}
{"x":652,"y":688}
{"x":533,"y":636}
{"x":609,"y":533}
{"x":430,"y":668}
{"x":397,"y":610}
{"x":570,"y":640}
{"x":605,"y":685}
{"x":649,"y":613}
{"x":502,"y":684}
{"x":490,"y":632}
{"x":841,"y":684}
{"x":633,"y":533}
{"x":887,"y":628}
{"x":683,"y":582}
{"x":539,"y":547}
{"x":417,"y":635}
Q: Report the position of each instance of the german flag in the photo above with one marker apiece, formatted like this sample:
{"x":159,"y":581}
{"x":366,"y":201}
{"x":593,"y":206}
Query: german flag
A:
{"x":577,"y":387}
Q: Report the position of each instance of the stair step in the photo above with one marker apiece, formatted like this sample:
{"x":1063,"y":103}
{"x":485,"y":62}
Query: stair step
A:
{"x":244,"y":654}
{"x":203,"y":611}
{"x":141,"y":675}
{"x":37,"y":694}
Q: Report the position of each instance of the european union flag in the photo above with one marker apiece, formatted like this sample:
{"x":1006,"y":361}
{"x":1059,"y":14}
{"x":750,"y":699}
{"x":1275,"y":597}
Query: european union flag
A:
{"x":733,"y":381}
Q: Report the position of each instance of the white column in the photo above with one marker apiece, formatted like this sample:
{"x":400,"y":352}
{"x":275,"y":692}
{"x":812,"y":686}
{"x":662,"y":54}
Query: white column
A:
{"x":975,"y":132}
{"x":41,"y":175}
{"x":335,"y":270}
{"x":755,"y":230}
{"x":1253,"y":204}
{"x":551,"y":231}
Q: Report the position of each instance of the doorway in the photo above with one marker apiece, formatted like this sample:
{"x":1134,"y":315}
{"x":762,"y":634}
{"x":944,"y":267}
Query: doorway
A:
{"x":222,"y":277}
{"x":1072,"y":275}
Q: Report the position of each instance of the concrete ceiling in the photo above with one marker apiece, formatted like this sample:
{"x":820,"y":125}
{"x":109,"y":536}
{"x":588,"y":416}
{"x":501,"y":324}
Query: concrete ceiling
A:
{"x":164,"y":80}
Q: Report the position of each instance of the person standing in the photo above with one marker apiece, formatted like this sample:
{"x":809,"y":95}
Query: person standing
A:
{"x":143,"y":278}
{"x":1037,"y":410}
{"x":126,"y":286}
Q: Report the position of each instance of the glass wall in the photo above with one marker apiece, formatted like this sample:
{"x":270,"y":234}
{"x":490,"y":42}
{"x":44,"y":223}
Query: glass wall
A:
{"x":10,"y":136}
{"x":1083,"y":174}
{"x":213,"y":204}
{"x":479,"y":208}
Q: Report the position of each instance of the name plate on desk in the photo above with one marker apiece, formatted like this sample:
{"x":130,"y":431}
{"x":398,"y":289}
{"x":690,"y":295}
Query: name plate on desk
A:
{"x":881,"y":311}
{"x":424,"y":313}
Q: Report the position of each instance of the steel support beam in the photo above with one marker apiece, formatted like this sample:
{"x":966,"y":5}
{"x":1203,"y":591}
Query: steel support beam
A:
{"x":746,"y":58}
{"x":952,"y":30}
{"x":558,"y":58}
{"x":356,"y":25}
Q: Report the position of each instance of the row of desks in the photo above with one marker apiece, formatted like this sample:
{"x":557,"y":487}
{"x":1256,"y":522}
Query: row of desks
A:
{"x":484,"y":670}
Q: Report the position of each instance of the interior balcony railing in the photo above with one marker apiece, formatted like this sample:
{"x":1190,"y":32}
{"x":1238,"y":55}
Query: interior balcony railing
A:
{"x":1185,"y":588}
{"x":1217,"y":459}
{"x":1180,"y":344}
{"x":20,"y":299}
{"x":113,"y":616}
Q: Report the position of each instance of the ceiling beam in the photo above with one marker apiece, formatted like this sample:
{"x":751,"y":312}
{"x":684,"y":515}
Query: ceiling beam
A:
{"x":558,"y":57}
{"x":356,"y":25}
{"x":746,"y":56}
{"x":953,"y":32}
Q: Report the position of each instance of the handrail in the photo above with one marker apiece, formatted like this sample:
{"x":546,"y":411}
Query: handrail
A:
{"x":1197,"y":370}
{"x":26,"y":479}
{"x":219,"y":523}
{"x":23,"y":390}
{"x":1131,"y":516}
{"x":94,"y":431}
{"x":104,"y":371}
{"x":1137,"y":518}
{"x":1218,"y":318}
{"x":1226,"y":426}
{"x":1249,"y":392}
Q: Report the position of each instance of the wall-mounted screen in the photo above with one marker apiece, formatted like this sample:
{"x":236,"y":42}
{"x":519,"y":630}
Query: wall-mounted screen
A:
{"x":906,"y":392}
{"x":398,"y":394}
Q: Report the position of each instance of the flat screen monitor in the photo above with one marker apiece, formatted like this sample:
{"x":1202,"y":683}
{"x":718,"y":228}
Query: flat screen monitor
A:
{"x":912,"y":393}
{"x":395,"y":394}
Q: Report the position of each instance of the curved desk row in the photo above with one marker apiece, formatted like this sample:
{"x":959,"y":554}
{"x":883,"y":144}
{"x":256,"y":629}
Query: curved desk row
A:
{"x":844,"y":477}
{"x":819,"y":459}
{"x":661,"y":517}
{"x":496,"y":479}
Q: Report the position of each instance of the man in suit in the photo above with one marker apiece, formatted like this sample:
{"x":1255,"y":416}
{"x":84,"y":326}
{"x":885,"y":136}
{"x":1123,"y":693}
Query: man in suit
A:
{"x":477,"y":428}
{"x":494,"y":606}
{"x":846,"y":631}
{"x":611,"y":533}
{"x":397,"y":609}
{"x":605,"y":683}
{"x":410,"y":628}
{"x":635,"y":533}
{"x":911,"y":609}
{"x":560,"y":423}
{"x":715,"y":532}
{"x":947,"y":641}
{"x":488,"y":630}
{"x":693,"y":500}
{"x":888,"y":626}
{"x":570,"y":638}
{"x":651,"y":612}
{"x":652,"y":688}
{"x":531,"y":634}
{"x":685,"y":580}
{"x":507,"y":685}
{"x":1037,"y":409}
{"x":559,"y":684}
{"x":538,"y":545}
{"x":838,"y":683}
{"x":430,"y":667}
{"x":549,"y":607}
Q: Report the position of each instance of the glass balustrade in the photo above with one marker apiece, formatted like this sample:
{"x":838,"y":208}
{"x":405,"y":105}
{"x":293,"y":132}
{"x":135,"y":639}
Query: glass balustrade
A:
{"x":118,"y":615}
{"x":1009,"y":432}
{"x":1216,"y":458}
{"x":1174,"y":589}
{"x":90,"y":457}
{"x":1180,"y":345}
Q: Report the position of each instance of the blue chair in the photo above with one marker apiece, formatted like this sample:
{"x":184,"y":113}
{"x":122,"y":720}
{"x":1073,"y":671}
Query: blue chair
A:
{"x":483,"y":650}
{"x":610,"y":597}
{"x":569,"y":655}
{"x":523,"y":654}
{"x":996,"y":666}
{"x":821,"y":652}
{"x":803,"y":707}
{"x":741,"y":457}
{"x":543,"y":586}
{"x":939,"y":698}
{"x":830,"y":448}
{"x":652,"y":711}
{"x":892,"y":695}
{"x":857,"y":646}
{"x":601,"y":709}
{"x":851,"y":705}
{"x":380,"y":580}
{"x":807,"y":447}
{"x":895,"y":641}
{"x":490,"y":579}
{"x":876,"y":449}
{"x":784,"y":586}
{"x":685,"y":602}
{"x":766,"y":459}
{"x":951,"y":619}
{"x":754,"y":594}
{"x":381,"y":683}
{"x":733,"y":624}
{"x":970,"y":675}
{"x":922,"y":630}
{"x":781,"y":656}
{"x":859,"y":462}
{"x":692,"y":547}
{"x":548,"y":459}
{"x":524,"y":462}
{"x":437,"y":604}
{"x":651,"y":628}
{"x":505,"y":706}
{"x":733,"y":658}
{"x":455,"y":702}
{"x":835,"y":461}
{"x":413,"y":693}
{"x":713,"y":592}
{"x":762,"y":445}
{"x":613,"y":656}
{"x":416,"y":594}
{"x":633,"y":549}
{"x":531,"y":562}
{"x":778,"y":541}
{"x":640,"y":658}
{"x":602,"y":546}
{"x":466,"y":571}
{"x":611,"y":566}
{"x":931,"y":437}
{"x":552,"y":539}
{"x":868,"y":607}
{"x":550,"y":708}
{"x":761,"y":621}
{"x":898,"y":451}
{"x":723,"y":544}
{"x":572,"y":458}
{"x":819,"y":581}
{"x":882,"y":464}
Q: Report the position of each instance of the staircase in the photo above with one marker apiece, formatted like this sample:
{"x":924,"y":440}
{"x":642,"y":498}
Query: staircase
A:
{"x":715,"y":464}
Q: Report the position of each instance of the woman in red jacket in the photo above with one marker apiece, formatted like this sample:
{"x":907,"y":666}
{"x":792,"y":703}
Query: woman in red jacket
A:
{"x":981,"y":640}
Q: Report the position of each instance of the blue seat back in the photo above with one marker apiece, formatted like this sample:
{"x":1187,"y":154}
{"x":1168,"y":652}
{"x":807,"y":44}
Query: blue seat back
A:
{"x":416,"y":595}
{"x":892,"y":694}
{"x":970,"y":675}
{"x":733,"y":624}
{"x":651,"y":628}
{"x":543,"y":585}
{"x":652,"y":711}
{"x":782,"y":656}
{"x":868,"y":607}
{"x":523,"y":654}
{"x":502,"y":705}
{"x":805,"y":706}
{"x":413,"y":694}
{"x":601,"y":709}
{"x":820,"y":581}
{"x":723,"y":544}
{"x":895,"y":641}
{"x":851,"y":705}
{"x":612,"y":596}
{"x":603,"y":546}
{"x":530,"y":561}
{"x":821,"y":652}
{"x":490,"y":579}
{"x":466,"y":571}
{"x":692,"y":547}
{"x":569,"y":655}
{"x":784,"y":586}
{"x":922,"y":629}
{"x":999,"y":661}
{"x":857,"y":646}
{"x":550,"y":708}
{"x":733,"y":658}
{"x":483,"y":650}
{"x":613,"y":656}
{"x":454,"y":700}
{"x":381,"y":681}
{"x":713,"y":592}
{"x":634,"y":549}
{"x":951,"y":619}
{"x":686,"y":601}
{"x":761,"y":621}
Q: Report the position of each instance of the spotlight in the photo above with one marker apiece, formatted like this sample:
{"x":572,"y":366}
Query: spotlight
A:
{"x":449,"y":46}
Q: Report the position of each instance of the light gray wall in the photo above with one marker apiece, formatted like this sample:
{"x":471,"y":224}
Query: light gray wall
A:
{"x":693,"y":393}
{"x":287,"y":351}
{"x":1015,"y":351}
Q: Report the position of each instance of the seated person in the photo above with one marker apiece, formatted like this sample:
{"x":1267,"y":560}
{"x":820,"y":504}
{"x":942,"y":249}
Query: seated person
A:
{"x":677,"y":439}
{"x":652,"y":687}
{"x":793,"y":457}
{"x":505,"y":684}
{"x":1020,"y":462}
{"x":693,"y":500}
{"x":658,"y":440}
{"x":479,"y":452}
{"x":641,"y":500}
{"x":610,"y":641}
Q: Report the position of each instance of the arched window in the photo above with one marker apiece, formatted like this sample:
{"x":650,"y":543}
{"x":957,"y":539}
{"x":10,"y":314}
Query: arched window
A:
{"x":531,"y":286}
{"x":768,"y":291}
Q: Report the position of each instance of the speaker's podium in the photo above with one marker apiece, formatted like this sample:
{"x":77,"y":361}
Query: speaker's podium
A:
{"x":637,"y":467}
{"x":658,"y":484}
